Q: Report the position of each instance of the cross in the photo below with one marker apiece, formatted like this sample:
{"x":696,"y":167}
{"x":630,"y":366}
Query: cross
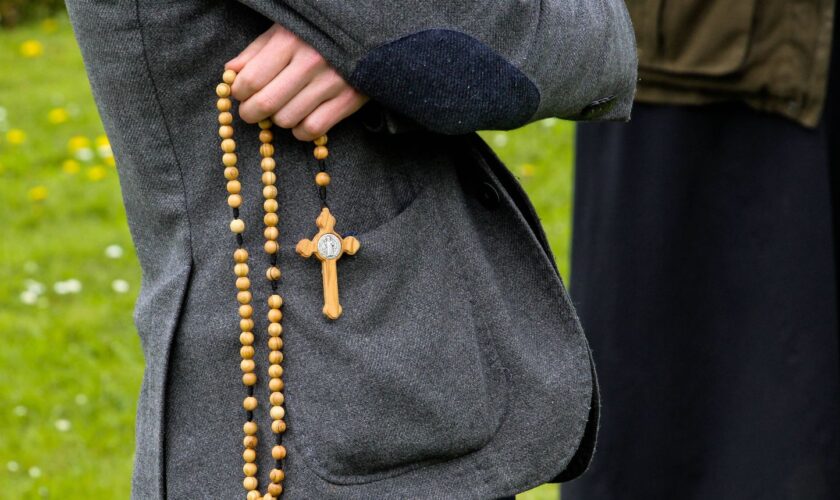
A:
{"x":328,"y":246}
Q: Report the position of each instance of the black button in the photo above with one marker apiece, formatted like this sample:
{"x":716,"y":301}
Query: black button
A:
{"x":488,"y":195}
{"x":597,"y":108}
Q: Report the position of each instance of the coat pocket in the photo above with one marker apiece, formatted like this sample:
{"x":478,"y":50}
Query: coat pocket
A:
{"x":693,"y":37}
{"x":406,"y":377}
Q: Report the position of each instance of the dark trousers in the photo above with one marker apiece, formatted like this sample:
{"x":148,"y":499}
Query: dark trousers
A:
{"x":705,"y":272}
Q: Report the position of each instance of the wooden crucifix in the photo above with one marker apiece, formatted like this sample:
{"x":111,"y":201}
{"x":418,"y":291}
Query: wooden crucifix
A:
{"x":328,"y":246}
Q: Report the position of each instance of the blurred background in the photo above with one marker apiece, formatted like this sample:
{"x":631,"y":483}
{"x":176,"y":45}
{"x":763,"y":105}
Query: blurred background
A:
{"x":70,"y":361}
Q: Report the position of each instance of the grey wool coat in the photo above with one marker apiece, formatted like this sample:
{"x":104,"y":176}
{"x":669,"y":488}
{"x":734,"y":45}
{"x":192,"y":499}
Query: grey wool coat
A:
{"x":459,"y":368}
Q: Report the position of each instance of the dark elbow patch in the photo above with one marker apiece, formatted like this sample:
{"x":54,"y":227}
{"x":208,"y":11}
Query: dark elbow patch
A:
{"x":447,"y":81}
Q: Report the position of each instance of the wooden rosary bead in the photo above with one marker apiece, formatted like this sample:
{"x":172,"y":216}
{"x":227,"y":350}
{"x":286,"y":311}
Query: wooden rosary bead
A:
{"x":228,"y":145}
{"x":243,"y":297}
{"x":322,"y":179}
{"x":275,"y":371}
{"x":250,"y":483}
{"x":240,"y":256}
{"x":273,"y":273}
{"x":243,"y":283}
{"x":247,"y":366}
{"x":274,"y":489}
{"x":229,"y":76}
{"x":269,"y":192}
{"x":271,"y":219}
{"x":246,"y":352}
{"x":223,"y":90}
{"x":240,"y":269}
{"x":223,"y":104}
{"x":250,"y":442}
{"x":249,"y":469}
{"x":275,"y":343}
{"x":275,"y":329}
{"x":249,"y":379}
{"x":276,"y":384}
{"x":237,"y":226}
{"x":278,"y":451}
{"x":250,"y":428}
{"x":234,"y":201}
{"x":278,"y":427}
{"x":271,"y":247}
{"x":269,"y":178}
{"x":277,"y":398}
{"x":266,"y":135}
{"x":245,"y":311}
{"x":265,"y":124}
{"x":253,"y":495}
{"x":266,"y":149}
{"x":321,"y":141}
{"x":231,"y":173}
{"x":246,"y":325}
{"x":225,"y":118}
{"x":229,"y":159}
{"x":250,"y":402}
{"x":268,"y":164}
{"x":270,"y":205}
{"x":271,"y":233}
{"x":268,"y":496}
{"x":249,"y":455}
{"x":225,"y":131}
{"x":246,"y":338}
{"x":234,"y":187}
{"x":321,"y":153}
{"x":277,"y":475}
{"x":277,"y":412}
{"x":275,"y":301}
{"x":275,"y":315}
{"x":275,"y":357}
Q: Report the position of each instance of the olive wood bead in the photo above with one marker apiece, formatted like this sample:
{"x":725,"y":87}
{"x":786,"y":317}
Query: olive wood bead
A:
{"x":247,"y":366}
{"x":275,"y":371}
{"x":271,"y":219}
{"x":277,"y":475}
{"x":223,"y":104}
{"x":234,"y":201}
{"x":237,"y":226}
{"x":275,"y":329}
{"x":229,"y":159}
{"x":246,"y":324}
{"x":273,"y":274}
{"x":278,"y":426}
{"x":225,"y":131}
{"x":277,"y":412}
{"x":249,"y":379}
{"x":240,"y":255}
{"x":225,"y":118}
{"x":250,"y":469}
{"x":231,"y":173}
{"x":268,"y":164}
{"x":276,"y":384}
{"x":275,"y":315}
{"x":245,"y":311}
{"x":247,"y":352}
{"x":271,"y":247}
{"x":275,"y":301}
{"x":240,"y":269}
{"x":269,"y":178}
{"x":265,"y":124}
{"x":269,"y":192}
{"x":250,"y":483}
{"x":234,"y":187}
{"x":266,"y":135}
{"x":321,"y":152}
{"x":266,"y":149}
{"x":321,"y":141}
{"x":249,"y":455}
{"x":270,"y":205}
{"x":228,"y":145}
{"x":250,"y":428}
{"x":277,"y":398}
{"x":253,"y":495}
{"x":243,"y":297}
{"x":275,"y":357}
{"x":246,"y":338}
{"x":274,"y":489}
{"x":243,"y":283}
{"x":250,"y":442}
{"x":271,"y":233}
{"x":250,"y":402}
{"x":322,"y":179}
{"x":278,"y":451}
{"x":223,"y":90}
{"x":275,"y":343}
{"x":229,"y":76}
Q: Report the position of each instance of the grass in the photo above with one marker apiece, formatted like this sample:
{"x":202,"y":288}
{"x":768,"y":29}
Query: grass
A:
{"x":70,"y":365}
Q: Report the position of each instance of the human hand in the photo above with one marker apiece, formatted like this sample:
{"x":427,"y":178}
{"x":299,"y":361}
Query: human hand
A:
{"x":282,"y":77}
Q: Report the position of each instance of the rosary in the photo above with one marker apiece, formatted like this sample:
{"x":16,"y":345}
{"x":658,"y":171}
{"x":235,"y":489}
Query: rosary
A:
{"x":327,"y":245}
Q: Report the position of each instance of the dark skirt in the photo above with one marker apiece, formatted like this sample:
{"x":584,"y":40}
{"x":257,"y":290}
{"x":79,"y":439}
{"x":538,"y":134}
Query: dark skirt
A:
{"x":704,"y":270}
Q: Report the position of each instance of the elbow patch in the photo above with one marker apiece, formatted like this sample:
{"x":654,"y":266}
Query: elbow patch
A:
{"x":447,"y":81}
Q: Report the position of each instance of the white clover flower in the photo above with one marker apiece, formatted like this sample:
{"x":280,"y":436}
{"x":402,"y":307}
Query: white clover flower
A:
{"x":120,"y":286}
{"x":34,"y":472}
{"x":113,"y":251}
{"x":12,"y":466}
{"x":66,"y":287}
{"x":84,"y":154}
{"x":104,"y":151}
{"x":62,"y":424}
{"x":34,"y":286}
{"x":500,"y":139}
{"x":29,"y":297}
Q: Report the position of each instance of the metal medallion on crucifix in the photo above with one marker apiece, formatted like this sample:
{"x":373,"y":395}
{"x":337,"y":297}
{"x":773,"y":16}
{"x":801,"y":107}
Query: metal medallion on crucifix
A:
{"x":328,"y":246}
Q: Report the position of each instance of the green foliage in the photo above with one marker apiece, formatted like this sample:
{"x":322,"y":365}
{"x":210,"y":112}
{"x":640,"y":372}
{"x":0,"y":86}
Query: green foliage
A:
{"x":13,"y":12}
{"x":70,"y":362}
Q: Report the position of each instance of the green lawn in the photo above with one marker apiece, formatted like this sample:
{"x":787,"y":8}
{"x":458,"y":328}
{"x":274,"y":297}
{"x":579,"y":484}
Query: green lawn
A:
{"x":70,"y":362}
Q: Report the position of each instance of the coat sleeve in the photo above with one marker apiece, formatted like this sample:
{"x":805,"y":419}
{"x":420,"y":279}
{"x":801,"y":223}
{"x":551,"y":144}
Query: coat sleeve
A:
{"x":457,"y":67}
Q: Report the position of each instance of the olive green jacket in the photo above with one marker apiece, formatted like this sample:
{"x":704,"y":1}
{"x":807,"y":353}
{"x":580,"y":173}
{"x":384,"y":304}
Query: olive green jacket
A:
{"x":773,"y":54}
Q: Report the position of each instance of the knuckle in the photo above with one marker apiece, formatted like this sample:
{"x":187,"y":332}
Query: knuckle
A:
{"x":284,"y":120}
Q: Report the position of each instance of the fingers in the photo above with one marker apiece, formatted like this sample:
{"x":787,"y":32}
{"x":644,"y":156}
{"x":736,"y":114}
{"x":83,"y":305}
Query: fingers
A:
{"x":304,"y":66}
{"x":329,"y":113}
{"x":238,"y":62}
{"x":323,"y":88}
{"x":261,"y":67}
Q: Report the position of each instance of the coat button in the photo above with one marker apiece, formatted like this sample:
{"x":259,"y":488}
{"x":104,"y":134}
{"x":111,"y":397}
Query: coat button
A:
{"x":488,"y":195}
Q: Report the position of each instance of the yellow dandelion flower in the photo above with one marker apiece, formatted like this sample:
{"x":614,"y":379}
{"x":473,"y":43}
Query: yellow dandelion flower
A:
{"x":49,"y":25}
{"x":78,"y":142}
{"x":70,"y":167}
{"x":16,"y":136}
{"x":96,"y":173}
{"x":31,"y":48}
{"x":110,"y":161}
{"x":527,"y":169}
{"x":57,"y":116}
{"x":37,"y":193}
{"x":102,"y":140}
